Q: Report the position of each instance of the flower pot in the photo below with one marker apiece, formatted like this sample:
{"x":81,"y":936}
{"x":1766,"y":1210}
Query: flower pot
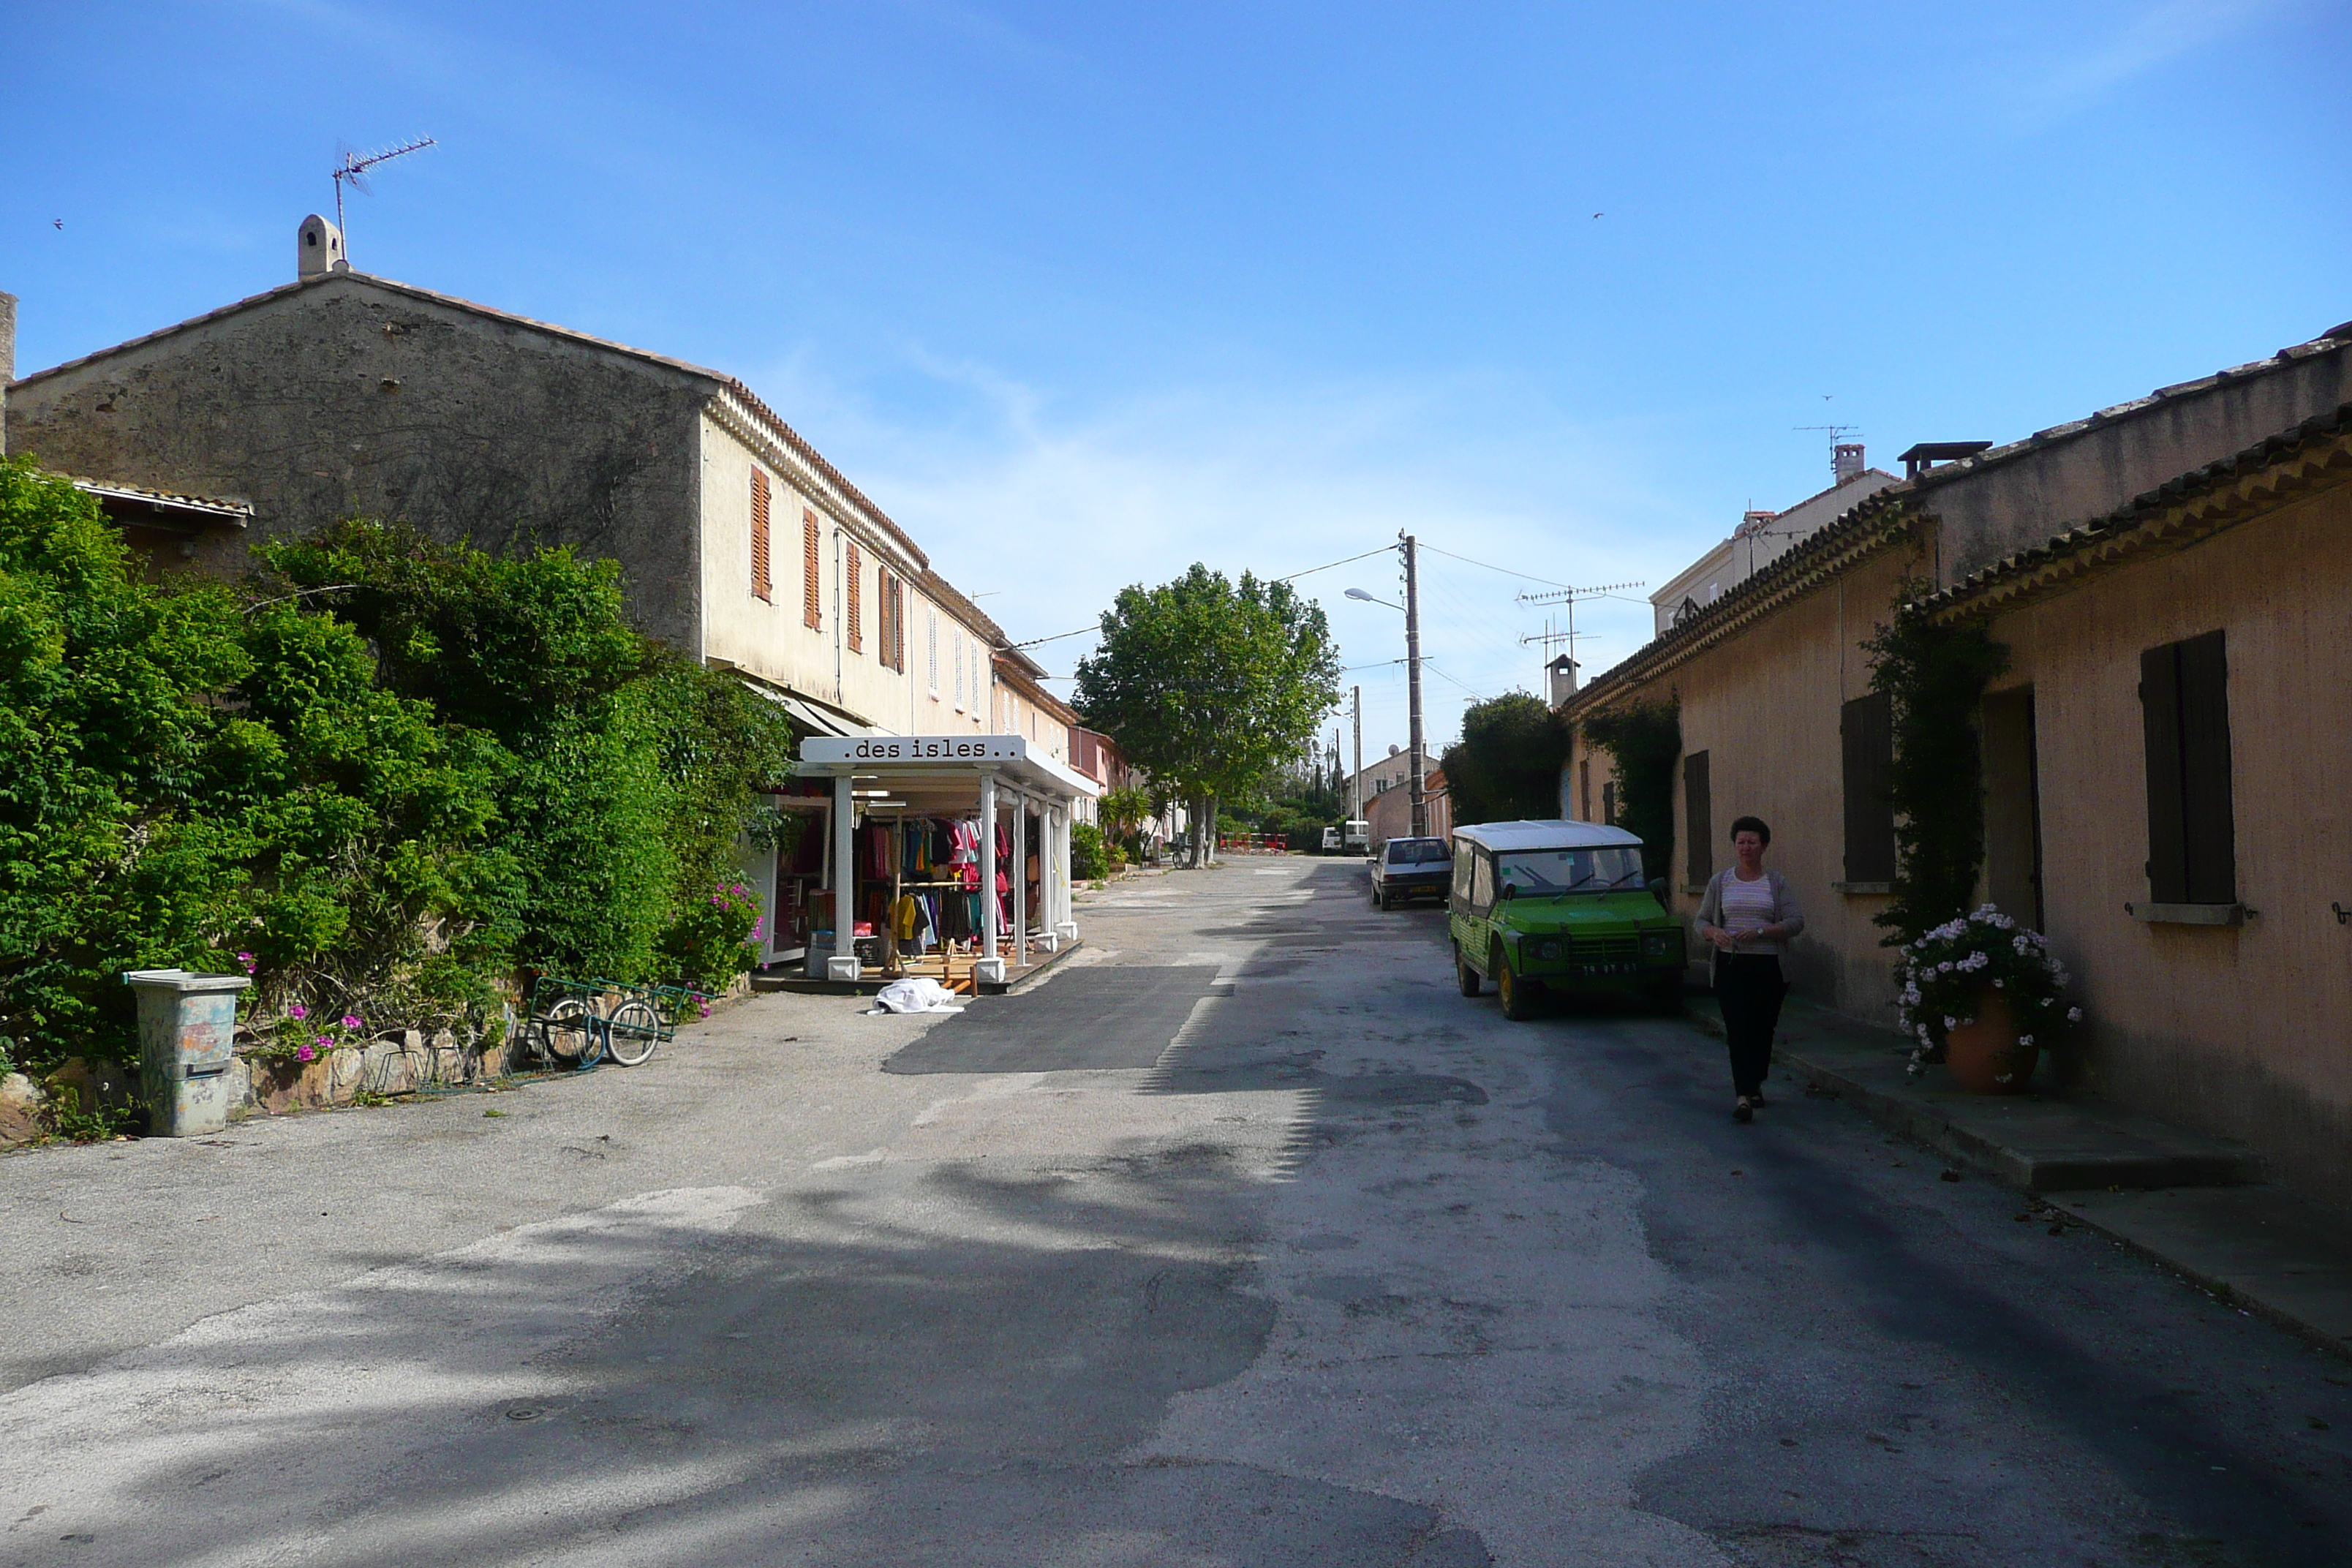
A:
{"x":1983,"y":1053}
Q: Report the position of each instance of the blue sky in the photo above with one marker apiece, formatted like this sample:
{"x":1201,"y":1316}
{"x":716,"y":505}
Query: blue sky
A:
{"x":1083,"y":293}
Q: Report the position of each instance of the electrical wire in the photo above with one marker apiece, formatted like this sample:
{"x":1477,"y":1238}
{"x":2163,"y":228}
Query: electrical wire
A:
{"x":1522,"y":576}
{"x":1328,"y":566}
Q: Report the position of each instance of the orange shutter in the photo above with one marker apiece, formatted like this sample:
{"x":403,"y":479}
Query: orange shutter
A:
{"x":760,"y":585}
{"x":811,"y":601}
{"x":856,"y":629}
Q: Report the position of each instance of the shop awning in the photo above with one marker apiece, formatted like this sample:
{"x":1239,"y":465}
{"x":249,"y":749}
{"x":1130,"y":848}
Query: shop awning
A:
{"x":906,"y":762}
{"x":810,"y":715}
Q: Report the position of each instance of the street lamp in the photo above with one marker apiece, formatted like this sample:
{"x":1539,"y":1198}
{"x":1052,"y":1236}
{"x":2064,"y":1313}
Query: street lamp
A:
{"x":1411,"y":609}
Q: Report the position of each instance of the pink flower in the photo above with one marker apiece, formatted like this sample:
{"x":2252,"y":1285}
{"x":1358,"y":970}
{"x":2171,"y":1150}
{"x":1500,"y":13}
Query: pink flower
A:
{"x":351,"y":1021}
{"x":305,"y":1054}
{"x":298,"y":1011}
{"x":246,"y":958}
{"x":326,"y":1039}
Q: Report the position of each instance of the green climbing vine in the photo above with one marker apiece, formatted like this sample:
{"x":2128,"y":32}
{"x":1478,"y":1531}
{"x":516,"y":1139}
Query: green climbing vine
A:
{"x":1644,"y":739}
{"x":1934,"y":678}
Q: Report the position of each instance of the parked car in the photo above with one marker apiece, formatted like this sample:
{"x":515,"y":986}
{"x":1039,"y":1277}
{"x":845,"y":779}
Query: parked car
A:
{"x":1356,"y":836}
{"x":1408,"y":869}
{"x":1560,"y":906}
{"x":1331,"y":840}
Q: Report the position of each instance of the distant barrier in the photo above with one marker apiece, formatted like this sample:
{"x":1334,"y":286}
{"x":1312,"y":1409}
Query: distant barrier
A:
{"x":1252,"y":844}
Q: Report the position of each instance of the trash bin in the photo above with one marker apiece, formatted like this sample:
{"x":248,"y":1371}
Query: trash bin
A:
{"x":187,"y":1023}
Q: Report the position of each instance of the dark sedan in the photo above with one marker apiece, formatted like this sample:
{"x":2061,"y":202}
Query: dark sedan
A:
{"x":1409,"y":868}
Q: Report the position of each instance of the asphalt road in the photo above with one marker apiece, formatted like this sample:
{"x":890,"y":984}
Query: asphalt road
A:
{"x":1285,"y":1254}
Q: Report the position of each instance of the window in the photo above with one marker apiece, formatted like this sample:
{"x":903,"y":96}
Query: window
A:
{"x":2184,"y":700}
{"x":931,"y":635}
{"x":1540,"y":872}
{"x":854,"y":577}
{"x":1482,"y":882}
{"x":762,"y":587}
{"x":1462,"y":868}
{"x":1867,"y":734}
{"x":957,"y":638}
{"x":1609,"y":803}
{"x":1584,"y":788}
{"x":812,"y":567}
{"x":1698,"y":818}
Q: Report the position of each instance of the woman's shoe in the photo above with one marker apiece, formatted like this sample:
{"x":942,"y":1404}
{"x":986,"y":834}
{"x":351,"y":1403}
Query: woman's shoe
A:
{"x":1758,"y":1099}
{"x":1743,"y":1111}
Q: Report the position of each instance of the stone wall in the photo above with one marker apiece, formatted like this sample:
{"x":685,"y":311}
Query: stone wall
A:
{"x":348,"y":396}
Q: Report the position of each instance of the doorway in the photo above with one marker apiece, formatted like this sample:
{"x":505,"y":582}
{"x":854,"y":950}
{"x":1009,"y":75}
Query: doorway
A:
{"x":2013,"y":806}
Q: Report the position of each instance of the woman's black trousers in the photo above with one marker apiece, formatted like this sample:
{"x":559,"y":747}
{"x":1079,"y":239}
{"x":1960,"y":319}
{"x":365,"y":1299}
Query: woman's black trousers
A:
{"x":1750,"y":989}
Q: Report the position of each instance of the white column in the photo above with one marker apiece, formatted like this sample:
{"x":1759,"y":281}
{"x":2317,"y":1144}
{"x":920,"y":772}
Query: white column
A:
{"x":843,"y":965}
{"x":1066,"y":928}
{"x":1049,"y":891}
{"x":991,"y":967}
{"x":1019,"y":880}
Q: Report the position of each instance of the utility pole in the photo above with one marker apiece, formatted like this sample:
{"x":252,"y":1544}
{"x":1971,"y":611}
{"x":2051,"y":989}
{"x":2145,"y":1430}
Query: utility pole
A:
{"x":1413,"y":676}
{"x":1356,"y":779}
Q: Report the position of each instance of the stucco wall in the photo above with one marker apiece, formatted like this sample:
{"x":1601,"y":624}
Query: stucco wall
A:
{"x":2245,"y":1031}
{"x":347,"y":398}
{"x":2021,"y":501}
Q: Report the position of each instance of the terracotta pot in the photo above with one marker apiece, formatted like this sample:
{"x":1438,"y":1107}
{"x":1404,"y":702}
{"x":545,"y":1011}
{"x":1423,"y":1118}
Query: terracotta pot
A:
{"x":1984,"y":1054}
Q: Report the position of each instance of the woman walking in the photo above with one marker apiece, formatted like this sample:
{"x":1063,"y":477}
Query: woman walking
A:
{"x":1750,"y":914}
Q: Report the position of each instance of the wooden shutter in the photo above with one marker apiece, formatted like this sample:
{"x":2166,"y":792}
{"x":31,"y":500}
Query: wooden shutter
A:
{"x":2209,"y":859}
{"x":811,"y":578}
{"x":1609,"y":804}
{"x":2160,"y":715}
{"x":1698,"y":816}
{"x":853,"y":578}
{"x":1866,"y":736}
{"x":762,"y":586}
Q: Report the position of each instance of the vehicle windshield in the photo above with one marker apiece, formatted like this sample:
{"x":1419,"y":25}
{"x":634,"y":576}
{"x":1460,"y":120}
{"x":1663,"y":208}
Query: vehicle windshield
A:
{"x":1553,"y":871}
{"x":1418,"y":852}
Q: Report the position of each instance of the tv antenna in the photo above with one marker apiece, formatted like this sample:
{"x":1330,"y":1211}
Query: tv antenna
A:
{"x":351,"y":170}
{"x":1836,"y":432}
{"x":1551,"y":634}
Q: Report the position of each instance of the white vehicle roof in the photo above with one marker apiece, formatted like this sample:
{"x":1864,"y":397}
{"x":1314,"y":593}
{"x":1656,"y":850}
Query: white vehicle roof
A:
{"x":1545,"y":836}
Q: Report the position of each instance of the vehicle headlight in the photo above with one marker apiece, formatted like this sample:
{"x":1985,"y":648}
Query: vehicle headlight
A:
{"x":1549,"y":948}
{"x":1660,"y":943}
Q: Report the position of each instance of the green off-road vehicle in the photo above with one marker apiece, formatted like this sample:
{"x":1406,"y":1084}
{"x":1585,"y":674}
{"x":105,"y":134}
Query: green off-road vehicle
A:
{"x":1560,"y":906}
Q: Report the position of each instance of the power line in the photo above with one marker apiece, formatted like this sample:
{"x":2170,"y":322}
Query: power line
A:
{"x":1505,"y":571}
{"x":1310,"y":571}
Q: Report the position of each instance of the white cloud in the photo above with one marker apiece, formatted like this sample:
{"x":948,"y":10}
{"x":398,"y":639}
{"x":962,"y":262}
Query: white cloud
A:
{"x":2153,"y":36}
{"x":1052,"y":512}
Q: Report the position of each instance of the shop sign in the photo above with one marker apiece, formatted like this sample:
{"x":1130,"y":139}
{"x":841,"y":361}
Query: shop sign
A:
{"x":914,"y":749}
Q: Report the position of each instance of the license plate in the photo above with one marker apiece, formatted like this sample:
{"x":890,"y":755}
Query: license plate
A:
{"x":1624,"y":966}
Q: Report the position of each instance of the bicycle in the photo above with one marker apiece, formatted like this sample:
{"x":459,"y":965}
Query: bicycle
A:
{"x":583,"y":1022}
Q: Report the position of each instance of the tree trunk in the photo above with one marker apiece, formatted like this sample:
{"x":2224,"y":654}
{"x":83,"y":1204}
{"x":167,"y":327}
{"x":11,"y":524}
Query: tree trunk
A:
{"x":1209,"y":835}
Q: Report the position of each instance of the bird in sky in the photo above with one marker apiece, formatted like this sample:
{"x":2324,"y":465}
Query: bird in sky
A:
{"x":1598,"y":215}
{"x":59,"y":221}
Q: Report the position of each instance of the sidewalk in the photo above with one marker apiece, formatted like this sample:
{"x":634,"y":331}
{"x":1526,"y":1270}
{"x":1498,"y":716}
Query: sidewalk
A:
{"x":2194,"y":1203}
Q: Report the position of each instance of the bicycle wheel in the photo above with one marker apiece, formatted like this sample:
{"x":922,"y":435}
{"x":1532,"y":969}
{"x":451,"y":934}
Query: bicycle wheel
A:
{"x":633,"y":1031}
{"x":573,"y":1032}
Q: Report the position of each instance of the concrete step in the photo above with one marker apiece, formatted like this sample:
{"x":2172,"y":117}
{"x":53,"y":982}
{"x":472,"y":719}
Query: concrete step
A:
{"x":2045,"y":1141}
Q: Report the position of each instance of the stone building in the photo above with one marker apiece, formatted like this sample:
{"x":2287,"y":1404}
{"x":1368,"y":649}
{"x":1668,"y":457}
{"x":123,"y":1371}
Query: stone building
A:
{"x":2162,"y":757}
{"x":344,"y":394}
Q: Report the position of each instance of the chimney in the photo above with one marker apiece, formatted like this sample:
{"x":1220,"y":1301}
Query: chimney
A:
{"x":1563,"y":679}
{"x":7,"y":362}
{"x":318,"y":249}
{"x":1846,"y":462}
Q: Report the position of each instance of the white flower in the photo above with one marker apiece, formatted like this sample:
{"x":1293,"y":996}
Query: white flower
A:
{"x":1951,"y":1023}
{"x":2074,"y":1015}
{"x":1997,"y":986}
{"x":2025,"y":1040}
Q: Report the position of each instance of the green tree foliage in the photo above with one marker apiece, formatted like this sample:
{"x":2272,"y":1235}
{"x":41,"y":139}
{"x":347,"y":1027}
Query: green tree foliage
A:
{"x":1644,"y":739}
{"x":379,"y":781}
{"x":1209,"y":685}
{"x":1507,"y":764}
{"x":1935,"y":678}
